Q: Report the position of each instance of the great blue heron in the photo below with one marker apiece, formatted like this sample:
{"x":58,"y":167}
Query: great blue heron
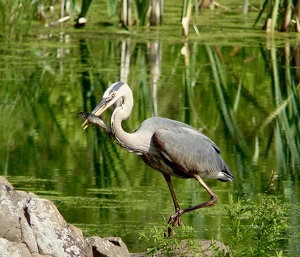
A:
{"x":168,"y":146}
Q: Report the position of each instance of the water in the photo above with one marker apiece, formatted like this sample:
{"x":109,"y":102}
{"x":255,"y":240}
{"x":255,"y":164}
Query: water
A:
{"x":236,"y":86}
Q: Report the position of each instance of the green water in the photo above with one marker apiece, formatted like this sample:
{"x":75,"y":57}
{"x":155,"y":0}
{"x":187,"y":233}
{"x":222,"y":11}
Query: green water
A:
{"x":237,"y":85}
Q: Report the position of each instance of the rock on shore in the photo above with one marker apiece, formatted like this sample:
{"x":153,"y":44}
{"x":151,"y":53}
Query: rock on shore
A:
{"x":33,"y":227}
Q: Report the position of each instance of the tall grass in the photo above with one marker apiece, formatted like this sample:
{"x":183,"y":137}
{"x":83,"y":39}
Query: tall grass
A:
{"x":16,"y":17}
{"x":281,"y":15}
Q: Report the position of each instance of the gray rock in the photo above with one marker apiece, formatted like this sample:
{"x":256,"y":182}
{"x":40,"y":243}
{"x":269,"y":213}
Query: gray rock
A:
{"x":31,"y":226}
{"x":108,"y":247}
{"x":8,"y":249}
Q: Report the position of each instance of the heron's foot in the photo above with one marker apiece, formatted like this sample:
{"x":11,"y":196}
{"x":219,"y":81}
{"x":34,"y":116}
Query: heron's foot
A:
{"x":174,"y":221}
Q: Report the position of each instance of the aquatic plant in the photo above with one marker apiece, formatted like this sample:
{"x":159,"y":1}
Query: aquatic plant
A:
{"x":281,"y":15}
{"x":16,"y":17}
{"x":258,"y":227}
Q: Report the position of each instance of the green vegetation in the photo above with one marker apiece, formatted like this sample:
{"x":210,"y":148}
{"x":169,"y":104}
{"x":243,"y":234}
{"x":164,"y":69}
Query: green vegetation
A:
{"x":258,"y":229}
{"x":181,"y":243}
{"x":17,"y":17}
{"x":281,"y":15}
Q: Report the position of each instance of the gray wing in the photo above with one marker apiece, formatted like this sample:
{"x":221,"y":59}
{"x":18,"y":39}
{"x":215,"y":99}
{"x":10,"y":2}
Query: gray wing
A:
{"x":191,"y":152}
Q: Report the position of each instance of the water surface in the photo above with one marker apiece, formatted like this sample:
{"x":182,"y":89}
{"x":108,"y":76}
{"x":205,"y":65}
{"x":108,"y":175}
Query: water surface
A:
{"x":237,"y":85}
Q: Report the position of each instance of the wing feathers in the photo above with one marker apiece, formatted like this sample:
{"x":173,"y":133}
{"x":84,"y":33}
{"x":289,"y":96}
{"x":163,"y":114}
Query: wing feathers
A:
{"x":191,"y":151}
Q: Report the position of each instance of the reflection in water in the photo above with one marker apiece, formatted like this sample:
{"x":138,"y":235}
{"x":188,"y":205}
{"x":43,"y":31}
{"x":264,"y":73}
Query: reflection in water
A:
{"x":286,"y":125}
{"x":247,"y":100}
{"x":125,"y":61}
{"x":155,"y":59}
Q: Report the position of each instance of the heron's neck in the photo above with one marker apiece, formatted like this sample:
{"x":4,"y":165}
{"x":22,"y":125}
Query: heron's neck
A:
{"x":121,"y":113}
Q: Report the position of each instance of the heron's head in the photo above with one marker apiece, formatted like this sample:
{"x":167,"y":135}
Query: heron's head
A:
{"x":112,"y":94}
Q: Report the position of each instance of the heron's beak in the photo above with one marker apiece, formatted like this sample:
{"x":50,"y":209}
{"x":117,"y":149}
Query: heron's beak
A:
{"x":99,"y":109}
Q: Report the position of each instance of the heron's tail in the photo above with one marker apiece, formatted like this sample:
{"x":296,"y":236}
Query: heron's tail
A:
{"x":226,"y":175}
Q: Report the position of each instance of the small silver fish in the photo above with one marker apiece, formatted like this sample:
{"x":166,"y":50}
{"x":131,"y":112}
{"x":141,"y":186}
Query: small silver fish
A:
{"x":94,"y":119}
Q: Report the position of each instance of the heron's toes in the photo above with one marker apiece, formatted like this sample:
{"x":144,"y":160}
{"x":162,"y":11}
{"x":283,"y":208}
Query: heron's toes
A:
{"x":174,"y":221}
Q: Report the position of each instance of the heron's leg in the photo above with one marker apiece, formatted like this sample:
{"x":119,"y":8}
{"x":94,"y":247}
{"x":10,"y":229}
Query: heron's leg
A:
{"x":175,"y":201}
{"x":172,"y":222}
{"x":212,"y":201}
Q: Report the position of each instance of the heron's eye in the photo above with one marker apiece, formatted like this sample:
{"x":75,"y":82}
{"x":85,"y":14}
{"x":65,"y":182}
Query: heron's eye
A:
{"x":113,"y":94}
